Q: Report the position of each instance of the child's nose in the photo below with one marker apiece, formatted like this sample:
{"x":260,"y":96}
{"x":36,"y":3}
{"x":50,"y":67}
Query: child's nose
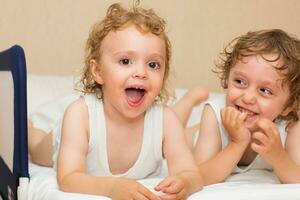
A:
{"x":249,"y":97}
{"x":140,"y":72}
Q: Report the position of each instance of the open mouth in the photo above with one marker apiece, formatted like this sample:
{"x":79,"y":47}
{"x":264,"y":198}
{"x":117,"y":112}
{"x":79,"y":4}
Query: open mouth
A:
{"x":135,"y":95}
{"x":244,"y":110}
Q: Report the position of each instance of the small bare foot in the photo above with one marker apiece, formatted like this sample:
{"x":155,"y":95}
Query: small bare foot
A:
{"x":198,"y":94}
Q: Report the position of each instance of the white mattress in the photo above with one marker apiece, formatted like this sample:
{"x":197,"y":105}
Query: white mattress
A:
{"x":252,"y":185}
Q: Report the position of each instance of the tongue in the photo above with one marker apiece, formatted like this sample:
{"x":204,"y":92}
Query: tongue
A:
{"x":134,"y":95}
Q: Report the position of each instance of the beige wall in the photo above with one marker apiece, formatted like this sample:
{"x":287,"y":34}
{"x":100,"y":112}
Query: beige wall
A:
{"x":53,"y":32}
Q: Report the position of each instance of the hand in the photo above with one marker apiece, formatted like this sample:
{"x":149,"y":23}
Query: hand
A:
{"x":173,"y":187}
{"x":233,"y":122}
{"x":268,"y":144}
{"x":128,"y":189}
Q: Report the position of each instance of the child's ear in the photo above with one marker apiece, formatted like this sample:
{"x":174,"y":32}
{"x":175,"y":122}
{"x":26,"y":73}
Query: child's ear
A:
{"x":288,"y":109}
{"x":96,"y":71}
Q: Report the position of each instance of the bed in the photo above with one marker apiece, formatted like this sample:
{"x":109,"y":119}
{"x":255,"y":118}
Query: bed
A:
{"x":49,"y":90}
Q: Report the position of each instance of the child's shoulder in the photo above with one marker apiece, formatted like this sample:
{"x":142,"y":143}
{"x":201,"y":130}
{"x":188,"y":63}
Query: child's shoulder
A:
{"x":77,"y":106}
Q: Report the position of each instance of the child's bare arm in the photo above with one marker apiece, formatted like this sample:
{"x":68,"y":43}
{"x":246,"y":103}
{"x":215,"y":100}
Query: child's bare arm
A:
{"x":72,"y":172}
{"x":285,"y":162}
{"x":184,"y":176}
{"x":215,"y":164}
{"x":71,"y":169}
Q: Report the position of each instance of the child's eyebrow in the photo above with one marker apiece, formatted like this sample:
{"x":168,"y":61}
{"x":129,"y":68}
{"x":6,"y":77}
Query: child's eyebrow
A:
{"x":128,"y":52}
{"x":238,"y":73}
{"x":133,"y":53}
{"x":158,"y":55}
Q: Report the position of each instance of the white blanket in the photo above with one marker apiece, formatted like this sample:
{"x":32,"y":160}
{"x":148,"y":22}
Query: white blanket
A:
{"x":252,"y":185}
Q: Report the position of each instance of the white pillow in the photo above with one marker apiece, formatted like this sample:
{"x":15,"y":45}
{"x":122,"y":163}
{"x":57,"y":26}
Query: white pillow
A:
{"x":47,"y":98}
{"x":46,"y":88}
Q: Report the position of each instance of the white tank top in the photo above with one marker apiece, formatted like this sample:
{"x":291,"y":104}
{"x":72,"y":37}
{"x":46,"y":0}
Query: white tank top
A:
{"x":150,"y":158}
{"x":258,"y":163}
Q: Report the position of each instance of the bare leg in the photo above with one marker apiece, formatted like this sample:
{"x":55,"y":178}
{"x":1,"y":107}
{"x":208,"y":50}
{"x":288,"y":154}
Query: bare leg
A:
{"x":184,"y":106}
{"x":190,"y":134}
{"x":40,"y":146}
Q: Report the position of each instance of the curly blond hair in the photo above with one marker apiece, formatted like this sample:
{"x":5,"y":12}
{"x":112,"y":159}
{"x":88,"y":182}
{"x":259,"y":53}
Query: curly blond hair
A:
{"x":275,"y":41}
{"x":117,"y":17}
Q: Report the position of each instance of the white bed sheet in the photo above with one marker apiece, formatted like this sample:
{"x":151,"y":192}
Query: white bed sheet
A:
{"x":252,"y":185}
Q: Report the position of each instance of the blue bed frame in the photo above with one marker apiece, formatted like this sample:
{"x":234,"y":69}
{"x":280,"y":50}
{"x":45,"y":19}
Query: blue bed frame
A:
{"x":13,"y":184}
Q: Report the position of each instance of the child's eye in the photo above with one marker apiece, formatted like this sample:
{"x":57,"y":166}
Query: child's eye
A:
{"x":125,"y":61}
{"x":240,"y":82}
{"x":266,"y":91}
{"x":154,"y":65}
